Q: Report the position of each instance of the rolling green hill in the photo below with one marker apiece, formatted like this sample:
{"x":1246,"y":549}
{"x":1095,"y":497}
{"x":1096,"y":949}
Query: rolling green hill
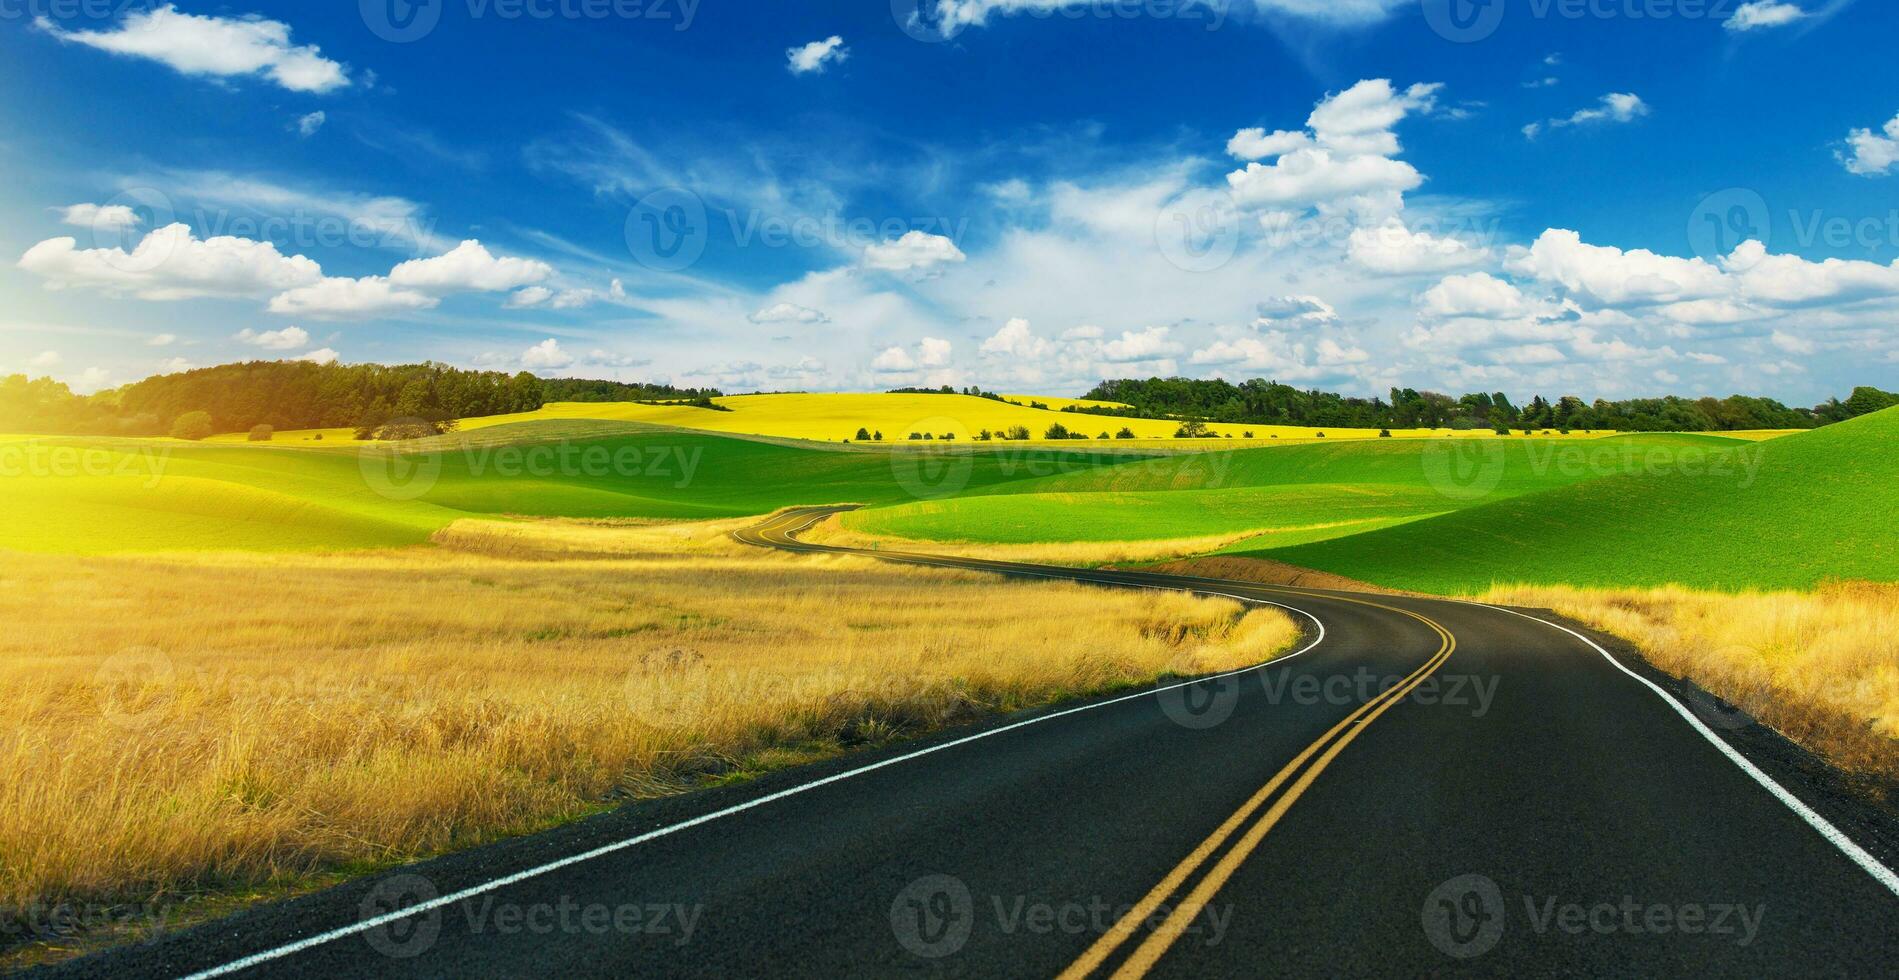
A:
{"x":111,"y":495}
{"x":1817,"y":505}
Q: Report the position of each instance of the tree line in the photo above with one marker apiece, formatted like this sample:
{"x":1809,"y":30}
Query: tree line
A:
{"x":1262,"y":402}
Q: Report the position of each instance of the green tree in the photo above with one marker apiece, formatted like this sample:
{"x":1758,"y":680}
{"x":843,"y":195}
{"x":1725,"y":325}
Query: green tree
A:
{"x":192,"y":425}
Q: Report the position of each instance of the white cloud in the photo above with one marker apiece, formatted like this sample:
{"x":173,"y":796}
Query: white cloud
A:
{"x":1478,"y":295}
{"x":174,"y":365}
{"x":104,"y":218}
{"x":289,"y":338}
{"x":221,"y":47}
{"x":1791,"y":344}
{"x":787,"y":313}
{"x":915,"y":250}
{"x":1763,"y":13}
{"x":322,"y":355}
{"x":529,"y":297}
{"x":1607,"y":276}
{"x":46,"y":359}
{"x":307,"y":125}
{"x":1145,"y":345}
{"x":1345,"y":160}
{"x":952,"y":16}
{"x":1394,"y":250}
{"x":1015,"y":339}
{"x":933,"y":352}
{"x":1297,"y":311}
{"x":469,"y":266}
{"x":807,"y":59}
{"x":1789,"y":280}
{"x":1616,"y":107}
{"x":162,"y":340}
{"x":893,"y":360}
{"x":1257,"y":144}
{"x":546,"y":355}
{"x":341,"y":297}
{"x":171,"y":264}
{"x":1873,"y":154}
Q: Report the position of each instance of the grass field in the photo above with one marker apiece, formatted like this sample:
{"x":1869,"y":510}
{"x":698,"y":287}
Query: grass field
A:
{"x":1800,"y":510}
{"x":92,"y":496}
{"x":836,"y":417}
{"x":228,"y":722}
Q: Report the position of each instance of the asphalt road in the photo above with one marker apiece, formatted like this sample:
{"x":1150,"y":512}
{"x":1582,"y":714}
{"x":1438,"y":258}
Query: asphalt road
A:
{"x":1426,"y":787}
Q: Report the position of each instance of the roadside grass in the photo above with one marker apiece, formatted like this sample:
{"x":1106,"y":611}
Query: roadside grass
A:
{"x":1789,"y":514}
{"x":1821,"y":667}
{"x":224,"y":724}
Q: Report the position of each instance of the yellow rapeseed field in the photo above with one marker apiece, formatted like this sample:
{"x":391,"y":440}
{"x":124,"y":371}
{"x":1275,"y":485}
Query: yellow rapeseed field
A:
{"x":203,"y":724}
{"x":835,"y":417}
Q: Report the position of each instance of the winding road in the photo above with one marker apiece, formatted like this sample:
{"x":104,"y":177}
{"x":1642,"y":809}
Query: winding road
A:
{"x":1424,"y":786}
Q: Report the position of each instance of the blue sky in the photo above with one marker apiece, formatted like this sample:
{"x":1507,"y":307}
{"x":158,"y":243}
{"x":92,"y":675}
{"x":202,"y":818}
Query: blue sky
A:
{"x":1600,"y":197}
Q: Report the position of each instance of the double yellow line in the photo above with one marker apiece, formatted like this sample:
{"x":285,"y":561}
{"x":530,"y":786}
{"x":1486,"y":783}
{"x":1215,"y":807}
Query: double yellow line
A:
{"x":1300,"y":773}
{"x":1295,"y":778}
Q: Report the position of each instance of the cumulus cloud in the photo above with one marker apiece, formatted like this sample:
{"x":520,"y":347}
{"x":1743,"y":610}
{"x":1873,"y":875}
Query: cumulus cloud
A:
{"x":1476,"y":295}
{"x":1295,"y":311}
{"x":1871,"y":154}
{"x":220,"y":47}
{"x":546,"y":355}
{"x":1346,"y":158}
{"x":162,"y":340}
{"x":933,"y":352}
{"x":112,"y":217}
{"x":893,"y":360}
{"x":1603,"y":275}
{"x":1016,"y":339}
{"x":915,"y":250}
{"x":470,"y":267}
{"x":307,"y":125}
{"x":787,"y":313}
{"x":1143,"y":345}
{"x":1762,"y":14}
{"x":1394,"y":250}
{"x":289,"y":338}
{"x":813,"y":58}
{"x":171,"y":263}
{"x":344,"y":297}
{"x":46,"y":359}
{"x":322,"y":355}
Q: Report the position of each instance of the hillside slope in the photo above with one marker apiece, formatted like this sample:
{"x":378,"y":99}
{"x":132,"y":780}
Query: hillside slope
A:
{"x":1796,"y":510}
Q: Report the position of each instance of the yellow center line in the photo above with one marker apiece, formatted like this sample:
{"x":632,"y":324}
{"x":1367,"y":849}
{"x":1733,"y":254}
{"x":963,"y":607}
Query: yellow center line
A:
{"x":1327,"y":747}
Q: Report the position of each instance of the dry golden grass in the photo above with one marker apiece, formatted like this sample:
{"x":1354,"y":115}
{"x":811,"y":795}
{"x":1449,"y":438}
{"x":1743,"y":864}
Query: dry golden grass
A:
{"x":1820,"y":667}
{"x":1078,"y":553}
{"x":204,"y":724}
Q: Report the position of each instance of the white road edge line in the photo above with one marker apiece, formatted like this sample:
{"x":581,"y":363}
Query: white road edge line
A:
{"x":1855,"y":853}
{"x":299,"y":946}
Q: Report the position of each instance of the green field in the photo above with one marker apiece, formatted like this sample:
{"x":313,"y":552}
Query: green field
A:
{"x":96,"y":495}
{"x":1822,"y":504}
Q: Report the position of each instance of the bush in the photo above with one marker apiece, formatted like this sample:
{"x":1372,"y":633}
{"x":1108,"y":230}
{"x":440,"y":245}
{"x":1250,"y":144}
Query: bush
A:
{"x":1195,"y":429}
{"x":1103,"y":435}
{"x":1056,"y":431}
{"x":192,"y":425}
{"x":318,"y":437}
{"x":863,"y":434}
{"x":1018,"y":432}
{"x":1125,"y":433}
{"x":262,"y":433}
{"x":1321,"y":435}
{"x":1384,"y":433}
{"x":878,"y":435}
{"x":1248,"y":434}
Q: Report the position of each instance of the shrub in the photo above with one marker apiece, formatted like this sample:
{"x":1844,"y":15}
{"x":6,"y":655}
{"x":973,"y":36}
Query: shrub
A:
{"x":192,"y":425}
{"x":1248,"y":434}
{"x":863,"y":434}
{"x":1125,"y":433}
{"x":1018,"y":432}
{"x":318,"y":437}
{"x":1056,"y":431}
{"x":1195,"y":429}
{"x":1321,"y":435}
{"x":916,"y":437}
{"x":878,"y":435}
{"x":262,"y":433}
{"x":1384,"y":433}
{"x":1103,"y":435}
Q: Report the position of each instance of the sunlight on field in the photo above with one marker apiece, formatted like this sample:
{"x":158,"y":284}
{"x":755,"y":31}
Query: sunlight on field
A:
{"x":836,"y":417}
{"x":1821,"y":667}
{"x":204,"y":724}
